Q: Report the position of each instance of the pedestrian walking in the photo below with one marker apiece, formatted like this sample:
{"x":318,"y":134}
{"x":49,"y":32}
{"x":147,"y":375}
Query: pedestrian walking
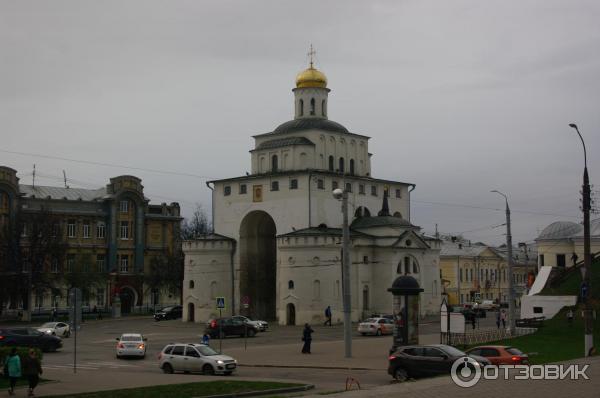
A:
{"x":205,"y":339}
{"x":328,"y":315}
{"x":498,"y":319}
{"x":100,"y":314}
{"x":570,"y":317}
{"x":307,"y":338}
{"x":32,"y":369}
{"x":95,"y":312}
{"x":12,"y":368}
{"x":473,"y":319}
{"x":54,"y":314}
{"x":503,"y":319}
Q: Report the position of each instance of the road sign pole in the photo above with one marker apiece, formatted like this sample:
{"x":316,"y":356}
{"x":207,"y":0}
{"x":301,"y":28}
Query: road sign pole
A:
{"x":75,"y":336}
{"x":220,"y":332}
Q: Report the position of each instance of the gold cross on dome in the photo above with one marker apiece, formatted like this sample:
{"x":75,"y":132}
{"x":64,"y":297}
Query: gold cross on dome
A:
{"x":311,"y":55}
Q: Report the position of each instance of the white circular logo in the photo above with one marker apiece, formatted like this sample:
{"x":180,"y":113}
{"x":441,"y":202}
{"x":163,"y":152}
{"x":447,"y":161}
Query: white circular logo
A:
{"x":465,"y":372}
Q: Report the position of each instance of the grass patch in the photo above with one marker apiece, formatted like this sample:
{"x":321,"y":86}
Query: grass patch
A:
{"x":187,"y":390}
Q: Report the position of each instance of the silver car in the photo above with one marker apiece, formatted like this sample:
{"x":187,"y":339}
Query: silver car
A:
{"x":60,"y":329}
{"x":131,"y":345}
{"x":179,"y":357}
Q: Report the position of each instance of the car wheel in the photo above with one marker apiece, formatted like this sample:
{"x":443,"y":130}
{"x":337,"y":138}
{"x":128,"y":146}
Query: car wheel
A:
{"x":208,"y":370}
{"x":251,"y":333}
{"x":400,"y":375}
{"x":378,"y":333}
{"x":167,"y":368}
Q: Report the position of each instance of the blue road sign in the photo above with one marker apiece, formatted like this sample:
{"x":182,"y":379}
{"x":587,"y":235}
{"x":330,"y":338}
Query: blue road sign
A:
{"x":221,"y":303}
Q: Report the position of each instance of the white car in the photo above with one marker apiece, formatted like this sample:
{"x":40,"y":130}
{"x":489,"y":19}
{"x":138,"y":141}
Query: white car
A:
{"x":59,"y":329}
{"x":131,"y":345}
{"x":179,"y":357}
{"x":262,"y":326}
{"x":376,"y":326}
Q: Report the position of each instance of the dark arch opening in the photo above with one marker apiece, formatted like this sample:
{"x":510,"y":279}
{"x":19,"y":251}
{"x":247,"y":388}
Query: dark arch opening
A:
{"x":274,"y":163}
{"x":258,"y":254}
{"x":301,"y":110}
{"x":362,"y":211}
{"x":312,"y":106}
{"x":290,"y":315}
{"x":351,"y":166}
{"x":323,"y":108}
{"x":331,"y":161}
{"x":341,"y":168}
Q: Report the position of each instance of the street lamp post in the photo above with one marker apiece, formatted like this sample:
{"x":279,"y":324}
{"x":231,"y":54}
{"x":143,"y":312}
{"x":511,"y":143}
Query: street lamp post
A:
{"x":346,"y":297}
{"x":587,"y":257}
{"x":511,"y":287}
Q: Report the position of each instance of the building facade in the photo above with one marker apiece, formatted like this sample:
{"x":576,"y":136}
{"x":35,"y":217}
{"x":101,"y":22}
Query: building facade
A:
{"x":560,"y":244}
{"x":276,"y":250}
{"x":113,"y":229}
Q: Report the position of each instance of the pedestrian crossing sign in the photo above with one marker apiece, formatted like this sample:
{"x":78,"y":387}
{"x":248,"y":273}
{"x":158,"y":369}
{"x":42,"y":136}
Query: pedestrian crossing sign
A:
{"x":220,"y":303}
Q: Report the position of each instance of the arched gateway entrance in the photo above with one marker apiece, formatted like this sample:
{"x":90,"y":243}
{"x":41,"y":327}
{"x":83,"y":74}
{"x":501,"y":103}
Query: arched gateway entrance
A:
{"x":258,"y":255}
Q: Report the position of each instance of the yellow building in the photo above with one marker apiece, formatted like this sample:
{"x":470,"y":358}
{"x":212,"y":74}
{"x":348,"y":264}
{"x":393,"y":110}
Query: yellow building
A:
{"x":475,"y":272}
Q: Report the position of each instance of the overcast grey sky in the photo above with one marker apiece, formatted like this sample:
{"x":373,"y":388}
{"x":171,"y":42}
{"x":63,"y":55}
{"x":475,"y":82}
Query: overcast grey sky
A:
{"x":459,"y":97}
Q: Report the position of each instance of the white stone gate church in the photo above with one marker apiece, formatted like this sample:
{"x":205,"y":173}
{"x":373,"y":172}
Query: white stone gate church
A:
{"x":277,"y":237}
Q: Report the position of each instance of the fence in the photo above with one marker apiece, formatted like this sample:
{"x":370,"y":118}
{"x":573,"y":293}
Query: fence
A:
{"x":482,"y":336}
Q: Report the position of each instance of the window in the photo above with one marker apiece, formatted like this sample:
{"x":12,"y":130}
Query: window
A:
{"x":351,"y":166}
{"x":191,"y":352}
{"x":71,"y":229}
{"x":24,"y":230}
{"x":124,"y":230}
{"x":323,"y":107}
{"x":86,"y":230}
{"x":177,"y":350}
{"x":124,"y":263}
{"x":274,"y":185}
{"x":301,"y":110}
{"x":320,"y":184}
{"x":39,"y":299}
{"x":398,"y":193}
{"x":55,"y":230}
{"x":538,"y":310}
{"x":312,"y":106}
{"x":100,"y":296}
{"x":361,"y":189}
{"x":331,"y":161}
{"x":341,"y":165}
{"x":54,"y":266}
{"x":374,"y":190}
{"x":274,"y":163}
{"x":460,"y":271}
{"x":471,"y":274}
{"x":560,"y":260}
{"x":191,"y":284}
{"x":348,"y":187}
{"x":294,"y":184}
{"x":365,"y":259}
{"x":124,"y":206}
{"x":541,"y":260}
{"x":100,"y":230}
{"x":406,"y":265}
{"x":291,"y":285}
{"x":70,"y":262}
{"x":243,"y":189}
{"x":226,"y":190}
{"x":100,"y":262}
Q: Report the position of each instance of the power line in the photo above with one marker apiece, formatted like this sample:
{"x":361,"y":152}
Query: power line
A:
{"x":108,"y":164}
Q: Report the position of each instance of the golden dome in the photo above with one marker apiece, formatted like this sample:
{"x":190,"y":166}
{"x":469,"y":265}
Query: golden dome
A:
{"x":311,"y":77}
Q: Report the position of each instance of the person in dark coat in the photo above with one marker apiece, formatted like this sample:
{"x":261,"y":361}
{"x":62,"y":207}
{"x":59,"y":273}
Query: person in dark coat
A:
{"x":32,"y":369}
{"x":307,"y":338}
{"x":327,"y":316}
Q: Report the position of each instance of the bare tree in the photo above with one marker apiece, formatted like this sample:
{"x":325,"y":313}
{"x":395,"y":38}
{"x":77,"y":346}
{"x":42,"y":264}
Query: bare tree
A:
{"x":198,"y":225}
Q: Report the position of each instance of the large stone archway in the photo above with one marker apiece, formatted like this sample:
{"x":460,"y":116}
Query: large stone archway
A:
{"x":258,"y":258}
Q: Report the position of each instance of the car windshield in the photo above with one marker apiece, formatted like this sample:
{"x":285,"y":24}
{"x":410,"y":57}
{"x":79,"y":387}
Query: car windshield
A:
{"x":49,"y":325}
{"x":453,"y":352}
{"x":131,"y":337}
{"x":206,"y":351}
{"x":371,"y":320}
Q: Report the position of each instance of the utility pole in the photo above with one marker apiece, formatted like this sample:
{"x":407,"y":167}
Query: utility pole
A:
{"x":511,"y":287}
{"x":346,"y":278}
{"x":587,"y":257}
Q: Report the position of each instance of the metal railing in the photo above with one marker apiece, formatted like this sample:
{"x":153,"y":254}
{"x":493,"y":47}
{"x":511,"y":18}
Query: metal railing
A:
{"x":482,"y":336}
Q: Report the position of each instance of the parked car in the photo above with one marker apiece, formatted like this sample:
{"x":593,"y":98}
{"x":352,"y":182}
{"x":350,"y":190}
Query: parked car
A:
{"x":131,"y":345}
{"x":376,"y":326}
{"x":29,"y":337}
{"x":172,"y":312}
{"x":500,"y":354}
{"x":262,"y":326}
{"x":60,"y":329}
{"x":488,"y":305}
{"x":195,"y":358}
{"x":223,"y":327}
{"x":426,"y":360}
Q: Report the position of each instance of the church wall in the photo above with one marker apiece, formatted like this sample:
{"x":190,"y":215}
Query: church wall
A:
{"x":208,"y":265}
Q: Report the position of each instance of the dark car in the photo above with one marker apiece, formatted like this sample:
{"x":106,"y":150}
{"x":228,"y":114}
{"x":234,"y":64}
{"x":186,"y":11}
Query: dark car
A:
{"x":29,"y":337}
{"x":223,"y":327}
{"x":173,"y":312}
{"x":426,"y":360}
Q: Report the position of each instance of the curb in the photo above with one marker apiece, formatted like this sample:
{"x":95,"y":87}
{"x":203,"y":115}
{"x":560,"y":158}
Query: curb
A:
{"x":306,"y":367}
{"x":305,"y":387}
